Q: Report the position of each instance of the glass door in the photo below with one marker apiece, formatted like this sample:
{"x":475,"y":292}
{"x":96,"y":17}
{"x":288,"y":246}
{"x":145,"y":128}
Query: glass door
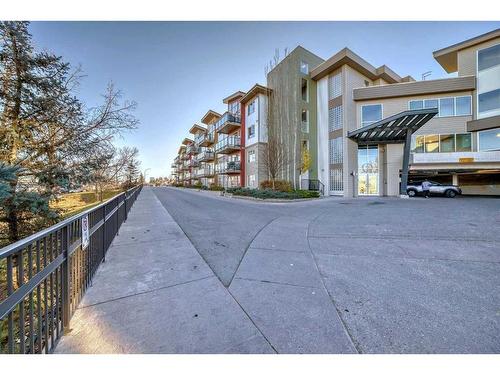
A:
{"x":368,"y":170}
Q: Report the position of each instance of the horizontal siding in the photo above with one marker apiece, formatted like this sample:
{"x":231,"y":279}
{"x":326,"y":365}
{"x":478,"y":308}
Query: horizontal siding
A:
{"x":415,"y":88}
{"x":466,"y":58}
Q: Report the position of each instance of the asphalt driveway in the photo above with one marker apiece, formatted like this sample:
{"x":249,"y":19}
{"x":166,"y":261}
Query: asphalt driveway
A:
{"x":393,"y":275}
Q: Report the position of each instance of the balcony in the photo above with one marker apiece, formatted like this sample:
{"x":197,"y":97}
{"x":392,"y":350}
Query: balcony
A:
{"x":228,"y":123}
{"x":229,"y":145}
{"x":185,"y":157}
{"x":206,"y":171}
{"x":205,"y":156}
{"x":173,"y":165}
{"x":465,"y":160}
{"x":193,"y":163}
{"x":230,"y":167}
{"x":192,"y":149}
{"x":205,"y":140}
{"x":185,"y":166}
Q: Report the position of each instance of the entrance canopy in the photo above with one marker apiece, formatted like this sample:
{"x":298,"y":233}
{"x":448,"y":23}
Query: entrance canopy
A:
{"x":393,"y":129}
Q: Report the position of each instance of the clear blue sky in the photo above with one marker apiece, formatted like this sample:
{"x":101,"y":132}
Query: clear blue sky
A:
{"x":176,"y":71}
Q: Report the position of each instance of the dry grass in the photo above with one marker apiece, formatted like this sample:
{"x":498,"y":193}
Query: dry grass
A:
{"x":74,"y":203}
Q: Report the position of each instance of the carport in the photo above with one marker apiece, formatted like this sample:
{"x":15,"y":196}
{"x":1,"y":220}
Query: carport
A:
{"x":395,"y":129}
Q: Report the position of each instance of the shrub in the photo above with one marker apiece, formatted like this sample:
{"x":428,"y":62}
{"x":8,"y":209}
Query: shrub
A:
{"x":216,"y":187}
{"x":279,"y":185}
{"x":273,"y":194}
{"x":198,"y":185}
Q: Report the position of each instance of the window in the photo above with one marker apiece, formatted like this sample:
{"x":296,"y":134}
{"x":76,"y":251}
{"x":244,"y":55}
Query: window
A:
{"x":334,"y":86}
{"x":488,"y":57}
{"x":304,"y":67}
{"x":463,"y":142}
{"x":251,"y":131}
{"x":463,"y":105}
{"x":447,"y":143}
{"x":251,"y":108}
{"x":370,"y":114}
{"x":432,"y":143}
{"x":251,"y":180}
{"x":442,"y":143}
{"x":489,"y":140}
{"x":416,"y":104}
{"x":489,"y":101}
{"x":455,"y":106}
{"x":335,"y":118}
{"x":304,"y":90}
{"x":336,"y":150}
{"x":419,"y":144}
{"x":305,"y":121}
{"x":251,"y":156}
{"x":234,"y":108}
{"x":446,"y":107}
{"x":431,"y":103}
{"x":488,"y":82}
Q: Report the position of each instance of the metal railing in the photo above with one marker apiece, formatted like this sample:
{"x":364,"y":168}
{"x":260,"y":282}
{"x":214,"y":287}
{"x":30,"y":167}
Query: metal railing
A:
{"x":44,"y":276}
{"x":314,"y":185}
{"x":229,"y":143}
{"x":227,"y":117}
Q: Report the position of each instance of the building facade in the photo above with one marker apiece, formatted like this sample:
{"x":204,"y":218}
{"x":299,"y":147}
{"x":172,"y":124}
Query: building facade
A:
{"x":368,"y":129}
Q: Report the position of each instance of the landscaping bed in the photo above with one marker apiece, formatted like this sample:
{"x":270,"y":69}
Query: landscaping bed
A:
{"x":273,"y":194}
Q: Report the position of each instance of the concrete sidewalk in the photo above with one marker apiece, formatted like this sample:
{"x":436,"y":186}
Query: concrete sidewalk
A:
{"x":155,"y":294}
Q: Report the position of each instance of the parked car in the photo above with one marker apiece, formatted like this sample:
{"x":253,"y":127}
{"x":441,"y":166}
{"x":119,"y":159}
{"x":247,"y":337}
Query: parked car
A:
{"x":451,"y":191}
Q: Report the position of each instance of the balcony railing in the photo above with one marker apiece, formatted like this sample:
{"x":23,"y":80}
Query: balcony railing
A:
{"x":44,"y":276}
{"x":193,"y":163}
{"x":205,"y":139}
{"x":228,"y":123}
{"x":229,"y":167}
{"x":192,"y":149}
{"x":206,"y":171}
{"x":185,"y":156}
{"x":228,"y":145}
{"x":205,"y":156}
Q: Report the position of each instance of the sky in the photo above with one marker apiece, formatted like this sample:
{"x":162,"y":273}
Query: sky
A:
{"x":177,"y":71}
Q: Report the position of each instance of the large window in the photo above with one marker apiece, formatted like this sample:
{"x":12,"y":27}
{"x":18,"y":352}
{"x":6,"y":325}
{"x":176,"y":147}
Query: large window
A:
{"x":442,"y":143}
{"x":452,"y":106}
{"x":334,"y":86}
{"x":489,"y":140}
{"x":335,"y":118}
{"x":489,"y":101}
{"x":370,"y":114}
{"x":432,"y":143}
{"x":488,"y":58}
{"x":488,"y":82}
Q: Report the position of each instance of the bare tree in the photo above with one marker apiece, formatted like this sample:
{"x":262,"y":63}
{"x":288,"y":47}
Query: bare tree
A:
{"x":276,"y":159}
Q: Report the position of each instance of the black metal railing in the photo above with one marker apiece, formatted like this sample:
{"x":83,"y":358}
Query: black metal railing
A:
{"x":44,"y":276}
{"x":314,"y":185}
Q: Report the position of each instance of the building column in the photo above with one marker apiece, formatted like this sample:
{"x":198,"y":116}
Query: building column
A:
{"x":454,"y":178}
{"x":406,"y":163}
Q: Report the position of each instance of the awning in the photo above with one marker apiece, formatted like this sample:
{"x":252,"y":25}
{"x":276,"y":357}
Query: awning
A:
{"x":393,"y":129}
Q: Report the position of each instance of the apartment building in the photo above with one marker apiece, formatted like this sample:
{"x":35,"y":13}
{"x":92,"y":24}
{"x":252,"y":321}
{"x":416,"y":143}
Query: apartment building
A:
{"x":254,"y":106}
{"x":369,"y":130}
{"x":365,"y":114}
